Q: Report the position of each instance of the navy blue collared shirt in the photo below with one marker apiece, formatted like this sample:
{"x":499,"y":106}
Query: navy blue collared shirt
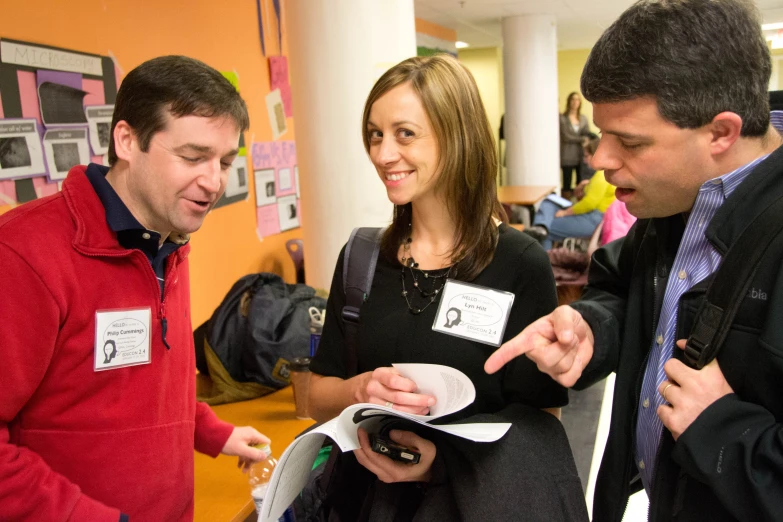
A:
{"x":130,"y":233}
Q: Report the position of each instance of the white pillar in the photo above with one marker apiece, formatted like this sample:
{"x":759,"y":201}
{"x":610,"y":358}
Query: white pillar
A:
{"x":530,"y":82}
{"x":337,"y":50}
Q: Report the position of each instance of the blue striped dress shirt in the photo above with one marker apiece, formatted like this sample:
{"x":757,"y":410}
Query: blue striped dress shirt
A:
{"x":696,"y":259}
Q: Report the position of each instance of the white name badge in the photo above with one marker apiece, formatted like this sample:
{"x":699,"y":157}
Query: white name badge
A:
{"x":473,"y":312}
{"x":122,"y":338}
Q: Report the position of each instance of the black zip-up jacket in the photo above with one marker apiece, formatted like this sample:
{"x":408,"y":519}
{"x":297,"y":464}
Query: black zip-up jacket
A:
{"x":728,"y":464}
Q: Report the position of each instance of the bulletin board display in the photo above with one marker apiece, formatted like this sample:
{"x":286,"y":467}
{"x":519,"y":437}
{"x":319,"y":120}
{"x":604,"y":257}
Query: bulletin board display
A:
{"x":56,"y":107}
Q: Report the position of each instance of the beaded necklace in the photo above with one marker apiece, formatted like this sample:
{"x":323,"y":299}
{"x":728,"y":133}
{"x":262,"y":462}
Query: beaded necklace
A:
{"x":426,"y":296}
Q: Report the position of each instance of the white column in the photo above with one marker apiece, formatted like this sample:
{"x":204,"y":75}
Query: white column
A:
{"x":337,"y":50}
{"x":530,"y":82}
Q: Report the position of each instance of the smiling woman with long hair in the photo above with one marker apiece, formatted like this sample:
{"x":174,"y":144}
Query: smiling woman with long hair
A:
{"x":426,"y":132}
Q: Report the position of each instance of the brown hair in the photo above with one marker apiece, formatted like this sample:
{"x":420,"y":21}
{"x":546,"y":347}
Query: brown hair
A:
{"x":467,"y":158}
{"x":568,"y":105}
{"x":179,"y":84}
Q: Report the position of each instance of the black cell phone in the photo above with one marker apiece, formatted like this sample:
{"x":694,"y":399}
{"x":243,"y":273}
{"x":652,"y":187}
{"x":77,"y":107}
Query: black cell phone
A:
{"x":393,"y":450}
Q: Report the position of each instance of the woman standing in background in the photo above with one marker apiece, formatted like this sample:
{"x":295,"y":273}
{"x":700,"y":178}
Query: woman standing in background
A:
{"x":573,"y":129}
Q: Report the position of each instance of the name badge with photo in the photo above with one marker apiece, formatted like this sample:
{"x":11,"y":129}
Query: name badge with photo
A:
{"x":473,"y":312}
{"x":122,"y":338}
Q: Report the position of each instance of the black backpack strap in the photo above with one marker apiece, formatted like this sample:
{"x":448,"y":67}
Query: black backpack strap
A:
{"x":361,"y":257}
{"x":727,"y":291}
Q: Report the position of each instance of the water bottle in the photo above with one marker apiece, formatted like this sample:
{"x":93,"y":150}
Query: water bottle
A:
{"x":316,"y":327}
{"x":259,"y":476}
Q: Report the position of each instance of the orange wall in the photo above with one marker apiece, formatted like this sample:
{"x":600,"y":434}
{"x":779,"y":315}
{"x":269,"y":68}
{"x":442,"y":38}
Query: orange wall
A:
{"x":433,"y":29}
{"x":223,"y":34}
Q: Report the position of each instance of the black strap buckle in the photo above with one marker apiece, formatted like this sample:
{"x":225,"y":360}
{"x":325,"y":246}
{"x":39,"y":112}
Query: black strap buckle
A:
{"x":700,"y":348}
{"x":350,"y":314}
{"x":695,"y":350}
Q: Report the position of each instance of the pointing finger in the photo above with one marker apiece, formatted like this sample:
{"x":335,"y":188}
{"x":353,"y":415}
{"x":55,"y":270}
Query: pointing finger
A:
{"x":519,"y":345}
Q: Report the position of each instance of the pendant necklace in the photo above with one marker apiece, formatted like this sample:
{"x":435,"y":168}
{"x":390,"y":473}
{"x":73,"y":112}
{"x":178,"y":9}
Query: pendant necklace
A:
{"x":426,"y":286}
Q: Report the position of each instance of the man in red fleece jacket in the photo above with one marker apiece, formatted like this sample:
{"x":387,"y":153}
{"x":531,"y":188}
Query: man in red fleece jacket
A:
{"x":98,"y":417}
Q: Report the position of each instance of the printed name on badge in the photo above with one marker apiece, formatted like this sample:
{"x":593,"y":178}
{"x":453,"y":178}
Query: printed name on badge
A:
{"x":473,"y":312}
{"x":122,"y":338}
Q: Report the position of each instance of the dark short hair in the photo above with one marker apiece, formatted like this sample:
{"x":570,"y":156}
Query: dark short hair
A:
{"x":180,"y":85}
{"x":697,"y":58}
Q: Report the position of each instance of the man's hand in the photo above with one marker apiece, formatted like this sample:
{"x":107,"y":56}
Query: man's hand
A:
{"x":387,"y":387}
{"x":561,"y":345}
{"x":239,"y":444}
{"x":388,"y":470}
{"x":689,"y":392}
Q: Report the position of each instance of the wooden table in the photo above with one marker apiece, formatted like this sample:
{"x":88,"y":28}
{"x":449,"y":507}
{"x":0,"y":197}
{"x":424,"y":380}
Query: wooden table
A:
{"x":222,"y":491}
{"x":525,"y":195}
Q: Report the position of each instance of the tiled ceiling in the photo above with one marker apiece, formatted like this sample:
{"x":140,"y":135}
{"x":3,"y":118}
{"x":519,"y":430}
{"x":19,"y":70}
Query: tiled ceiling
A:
{"x":579,"y":22}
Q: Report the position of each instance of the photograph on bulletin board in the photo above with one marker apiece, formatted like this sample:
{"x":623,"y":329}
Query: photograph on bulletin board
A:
{"x":21,"y":154}
{"x":68,"y":96}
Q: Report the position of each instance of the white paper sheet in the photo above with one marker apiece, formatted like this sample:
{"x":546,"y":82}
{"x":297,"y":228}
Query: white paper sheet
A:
{"x":451,"y":388}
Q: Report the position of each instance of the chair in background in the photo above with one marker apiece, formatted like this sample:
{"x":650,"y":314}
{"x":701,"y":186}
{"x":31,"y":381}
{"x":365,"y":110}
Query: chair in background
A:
{"x":570,"y":266}
{"x":295,"y":249}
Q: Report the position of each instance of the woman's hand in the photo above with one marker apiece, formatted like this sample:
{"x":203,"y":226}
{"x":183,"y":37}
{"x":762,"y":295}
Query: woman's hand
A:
{"x":387,"y":387}
{"x":388,"y":470}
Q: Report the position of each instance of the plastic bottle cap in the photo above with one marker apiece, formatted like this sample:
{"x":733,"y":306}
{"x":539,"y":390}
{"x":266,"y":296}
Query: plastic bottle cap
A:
{"x":266,"y":448}
{"x":300,"y":364}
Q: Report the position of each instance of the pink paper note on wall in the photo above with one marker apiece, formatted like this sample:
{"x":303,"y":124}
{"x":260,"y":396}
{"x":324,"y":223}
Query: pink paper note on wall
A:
{"x":268,"y":222}
{"x":7,"y":192}
{"x":44,"y":187}
{"x":261,"y":152}
{"x":273,"y":154}
{"x":278,"y":79}
{"x":288,"y":152}
{"x":94,"y":90}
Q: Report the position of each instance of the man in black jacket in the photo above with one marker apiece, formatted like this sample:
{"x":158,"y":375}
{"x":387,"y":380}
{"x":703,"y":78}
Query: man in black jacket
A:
{"x":679,"y":90}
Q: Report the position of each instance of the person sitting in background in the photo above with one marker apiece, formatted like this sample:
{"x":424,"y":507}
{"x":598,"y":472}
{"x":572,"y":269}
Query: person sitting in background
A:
{"x":617,"y":222}
{"x":553,"y":223}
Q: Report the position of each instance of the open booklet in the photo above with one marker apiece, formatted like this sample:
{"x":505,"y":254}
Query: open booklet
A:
{"x":452,"y":390}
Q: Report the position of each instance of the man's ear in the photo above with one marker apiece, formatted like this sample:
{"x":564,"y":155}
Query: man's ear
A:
{"x":124,"y":140}
{"x":725,"y":129}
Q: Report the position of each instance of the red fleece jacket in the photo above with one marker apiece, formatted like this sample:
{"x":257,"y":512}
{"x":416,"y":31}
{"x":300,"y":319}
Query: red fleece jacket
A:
{"x":76,"y":444}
